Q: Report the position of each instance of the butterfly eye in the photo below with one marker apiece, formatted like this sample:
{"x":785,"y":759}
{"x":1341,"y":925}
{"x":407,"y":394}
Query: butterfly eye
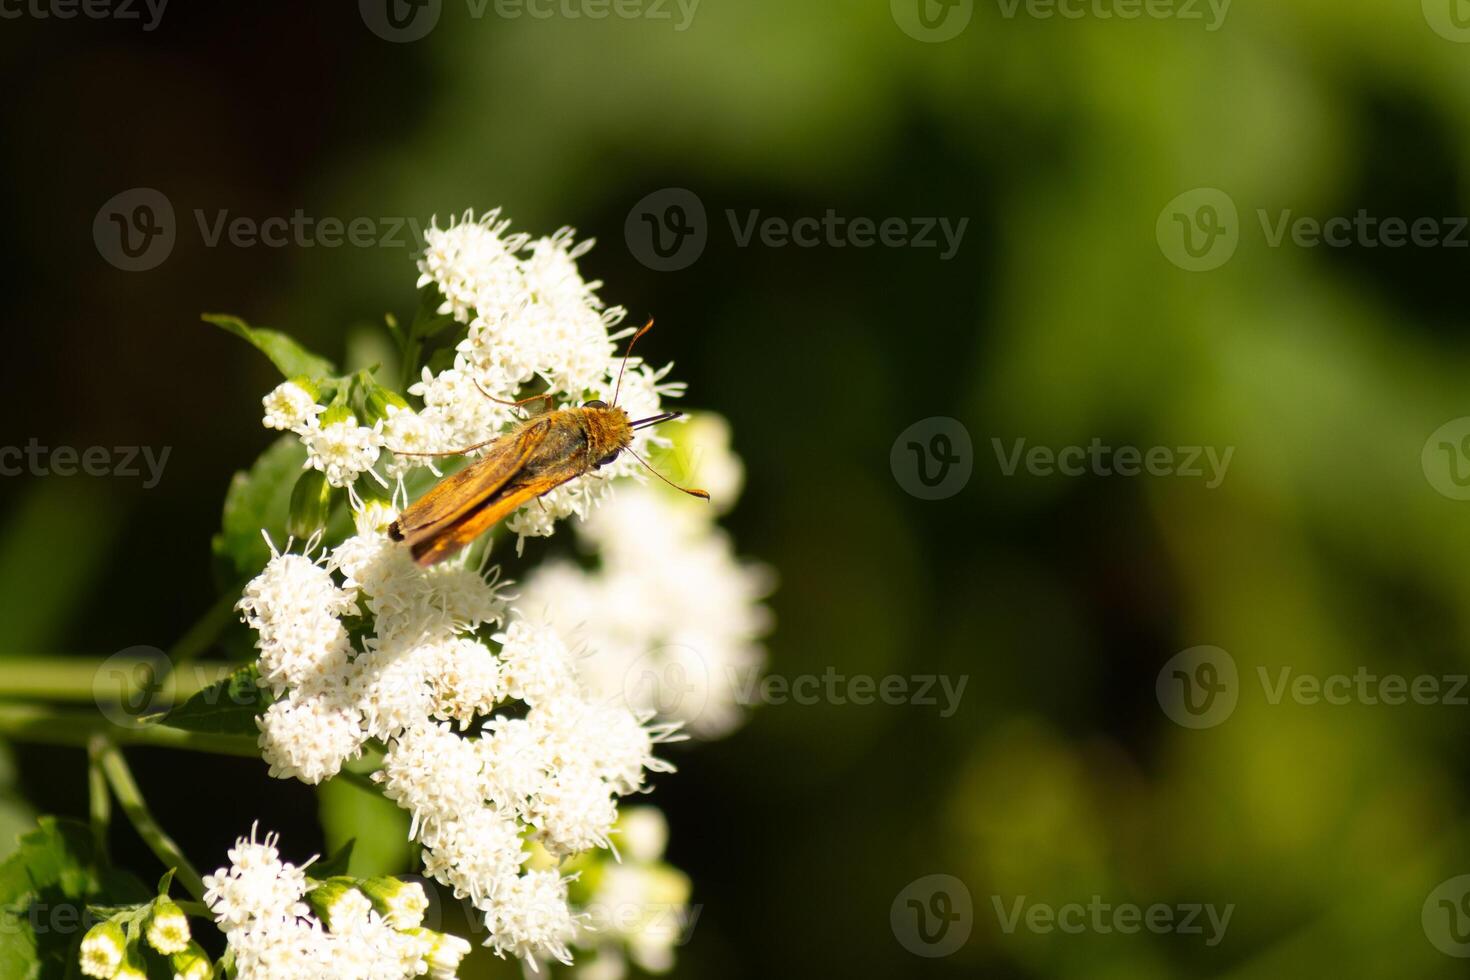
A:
{"x":608,"y":458}
{"x":596,"y":403}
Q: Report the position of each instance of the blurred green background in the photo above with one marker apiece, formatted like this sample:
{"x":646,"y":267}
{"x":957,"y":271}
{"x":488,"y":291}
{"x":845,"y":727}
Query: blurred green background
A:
{"x":1062,"y":318}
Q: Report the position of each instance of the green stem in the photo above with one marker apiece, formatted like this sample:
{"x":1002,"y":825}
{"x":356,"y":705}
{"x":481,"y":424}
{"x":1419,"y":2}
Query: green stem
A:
{"x":100,"y":804}
{"x":59,"y":726}
{"x":74,"y":678}
{"x":130,"y":798}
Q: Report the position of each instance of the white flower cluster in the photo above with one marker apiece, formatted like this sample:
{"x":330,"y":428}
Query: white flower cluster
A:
{"x":637,"y":908}
{"x":113,"y":949}
{"x":281,"y":925}
{"x":677,"y":616}
{"x":492,"y":736}
{"x":528,"y":315}
{"x":420,"y":684}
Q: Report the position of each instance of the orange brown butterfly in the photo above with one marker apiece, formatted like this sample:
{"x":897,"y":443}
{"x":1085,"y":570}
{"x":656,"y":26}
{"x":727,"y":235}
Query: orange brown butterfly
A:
{"x":540,"y":455}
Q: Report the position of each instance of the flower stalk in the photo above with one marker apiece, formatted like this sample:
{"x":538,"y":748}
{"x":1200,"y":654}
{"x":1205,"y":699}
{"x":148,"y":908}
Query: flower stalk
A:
{"x":130,"y":798}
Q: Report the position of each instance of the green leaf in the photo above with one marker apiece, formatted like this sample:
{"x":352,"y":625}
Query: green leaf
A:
{"x":258,"y":499}
{"x":45,"y":888}
{"x":226,"y":707}
{"x":166,"y":881}
{"x":337,"y":864}
{"x":375,"y":824}
{"x":427,"y":320}
{"x":289,"y":357}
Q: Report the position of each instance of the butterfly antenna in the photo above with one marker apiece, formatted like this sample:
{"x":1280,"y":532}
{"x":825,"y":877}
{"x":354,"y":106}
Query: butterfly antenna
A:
{"x":627,"y":354}
{"x":655,"y":420}
{"x":701,"y":494}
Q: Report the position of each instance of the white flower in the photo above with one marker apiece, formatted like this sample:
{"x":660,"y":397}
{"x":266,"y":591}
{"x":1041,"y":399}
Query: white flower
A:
{"x":342,"y":450}
{"x":473,"y":261}
{"x":497,"y":747}
{"x":608,"y":740}
{"x":293,"y":605}
{"x":402,"y":904}
{"x":643,"y":834}
{"x":192,"y":963}
{"x":406,"y":434}
{"x":466,"y":681}
{"x":537,"y":667}
{"x":529,"y":918}
{"x":281,"y":949}
{"x":257,"y":885}
{"x":273,"y":935}
{"x":391,"y":688}
{"x":309,"y":736}
{"x":463,"y":597}
{"x":433,"y":772}
{"x":102,"y":950}
{"x":706,"y":460}
{"x":574,"y":811}
{"x":456,"y":406}
{"x":443,"y":953}
{"x":675,"y":615}
{"x":290,"y":406}
{"x":168,"y":928}
{"x":473,"y":852}
{"x":516,"y":762}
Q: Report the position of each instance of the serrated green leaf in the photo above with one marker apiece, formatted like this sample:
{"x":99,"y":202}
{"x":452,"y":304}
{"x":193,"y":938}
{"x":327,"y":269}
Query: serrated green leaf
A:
{"x":258,"y":499}
{"x":289,"y":357}
{"x":45,"y":888}
{"x":226,"y":707}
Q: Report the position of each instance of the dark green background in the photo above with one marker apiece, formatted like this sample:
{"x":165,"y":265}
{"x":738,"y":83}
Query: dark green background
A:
{"x":1059,"y":320}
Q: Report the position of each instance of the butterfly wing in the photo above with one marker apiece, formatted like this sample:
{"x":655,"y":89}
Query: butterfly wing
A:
{"x":447,"y":540}
{"x":450,"y":500}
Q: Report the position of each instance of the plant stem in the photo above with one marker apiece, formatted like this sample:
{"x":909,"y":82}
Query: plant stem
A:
{"x":74,"y":678}
{"x":100,"y":804}
{"x":59,"y":726}
{"x":125,"y":788}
